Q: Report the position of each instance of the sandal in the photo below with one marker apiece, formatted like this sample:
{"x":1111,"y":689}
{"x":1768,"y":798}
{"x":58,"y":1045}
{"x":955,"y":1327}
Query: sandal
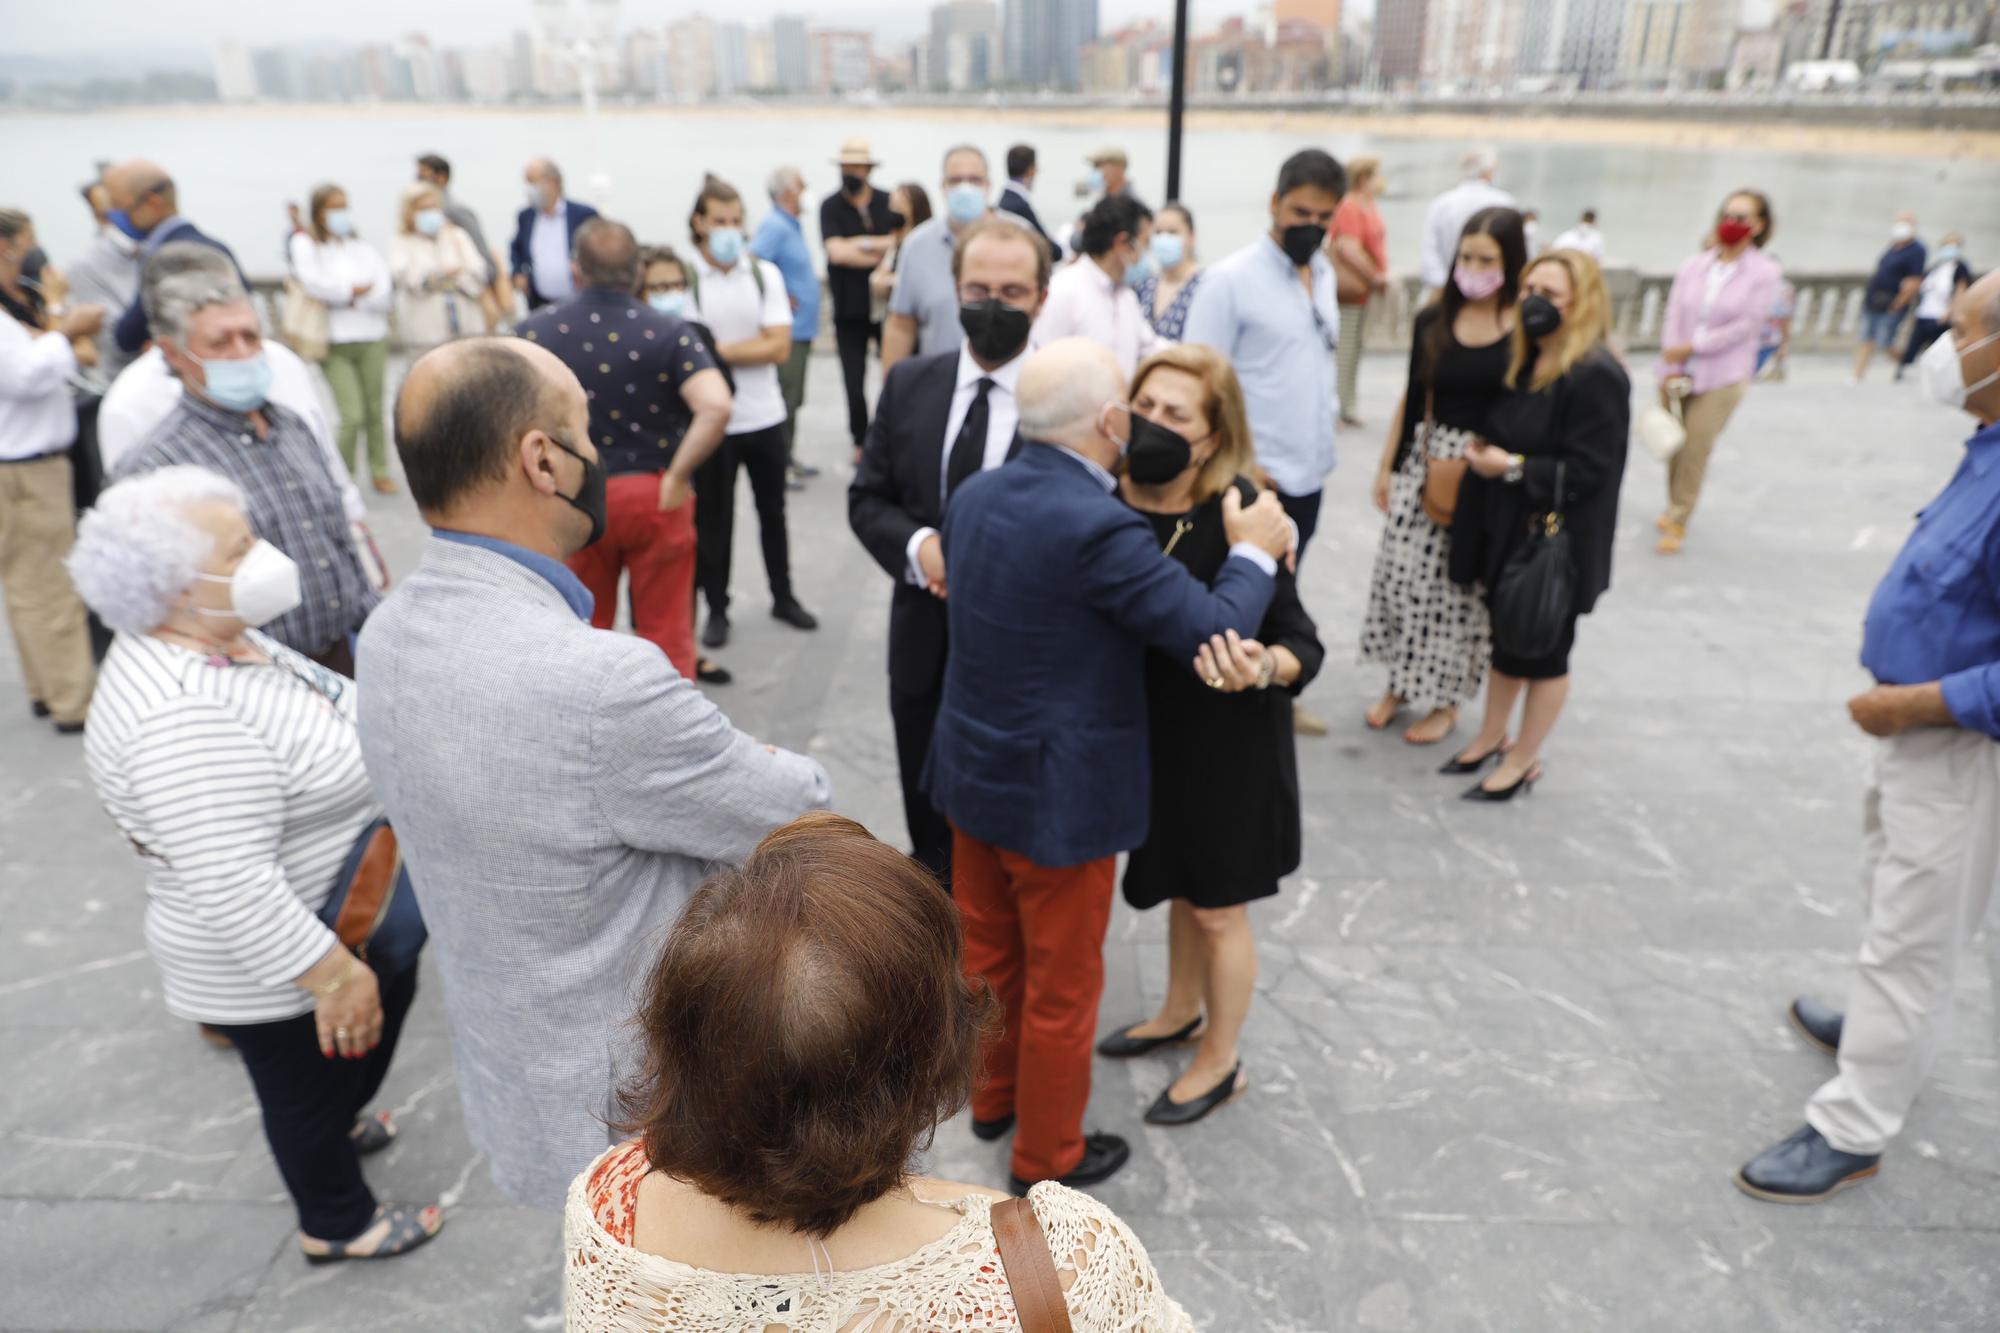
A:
{"x":1671,"y":538}
{"x":372,"y":1134}
{"x":407,"y":1231}
{"x":1370,"y":717}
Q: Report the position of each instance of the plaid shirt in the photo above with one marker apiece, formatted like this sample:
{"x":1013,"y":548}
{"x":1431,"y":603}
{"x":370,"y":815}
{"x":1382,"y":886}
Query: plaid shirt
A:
{"x":294,"y":505}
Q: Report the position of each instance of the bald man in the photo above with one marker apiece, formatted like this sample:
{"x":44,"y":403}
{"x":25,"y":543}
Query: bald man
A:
{"x":146,"y":208}
{"x":544,"y":232}
{"x":559,"y":790}
{"x":1039,"y":758}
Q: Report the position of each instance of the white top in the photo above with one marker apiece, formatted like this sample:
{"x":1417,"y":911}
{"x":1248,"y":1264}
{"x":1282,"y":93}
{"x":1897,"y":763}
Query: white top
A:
{"x":432,"y":307}
{"x":243,"y":790}
{"x":1719,"y":274}
{"x":1934,"y":296}
{"x":1084,"y":302}
{"x":37,"y":415}
{"x":1446,"y":220}
{"x":548,"y":253}
{"x":728,"y":302}
{"x":146,"y":392}
{"x":1582,"y":237}
{"x":330,"y":271}
{"x":1003,"y":418}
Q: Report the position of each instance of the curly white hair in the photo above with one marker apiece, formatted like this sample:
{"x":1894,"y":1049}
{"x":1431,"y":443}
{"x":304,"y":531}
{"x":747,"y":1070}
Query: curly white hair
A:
{"x":136,"y":551}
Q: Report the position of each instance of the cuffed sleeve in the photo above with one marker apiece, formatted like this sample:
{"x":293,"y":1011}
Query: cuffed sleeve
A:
{"x":1973,"y":696}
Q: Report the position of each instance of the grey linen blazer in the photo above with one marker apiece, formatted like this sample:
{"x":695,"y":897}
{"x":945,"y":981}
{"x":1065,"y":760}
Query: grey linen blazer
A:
{"x":559,"y":792}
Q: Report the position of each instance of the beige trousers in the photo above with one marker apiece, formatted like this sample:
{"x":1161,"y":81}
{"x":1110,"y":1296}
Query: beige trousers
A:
{"x":1930,"y":851}
{"x":36,"y":532}
{"x":1704,"y":415}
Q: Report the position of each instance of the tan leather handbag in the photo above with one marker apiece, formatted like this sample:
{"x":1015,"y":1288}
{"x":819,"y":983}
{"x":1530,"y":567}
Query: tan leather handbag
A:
{"x":1442,"y":476}
{"x":1030,"y":1268}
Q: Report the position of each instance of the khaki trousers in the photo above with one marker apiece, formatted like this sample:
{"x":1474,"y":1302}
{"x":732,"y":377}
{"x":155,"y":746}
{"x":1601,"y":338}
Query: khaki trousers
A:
{"x":36,"y":532}
{"x":1704,"y":415}
{"x":1930,"y":851}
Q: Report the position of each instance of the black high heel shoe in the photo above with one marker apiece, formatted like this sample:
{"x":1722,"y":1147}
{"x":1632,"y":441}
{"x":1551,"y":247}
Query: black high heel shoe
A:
{"x":1455,"y":766}
{"x":1479,"y":792}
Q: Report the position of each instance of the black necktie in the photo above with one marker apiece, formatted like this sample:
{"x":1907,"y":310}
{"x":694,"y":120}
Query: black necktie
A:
{"x":968,"y":451}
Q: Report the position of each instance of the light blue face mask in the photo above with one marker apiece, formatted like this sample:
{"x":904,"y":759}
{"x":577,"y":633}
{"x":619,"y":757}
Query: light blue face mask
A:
{"x":1948,"y":254}
{"x":430,"y":221}
{"x":339,"y":222}
{"x":965,"y":202}
{"x":1169,"y":248}
{"x":725,"y":245}
{"x":240,"y":386}
{"x":1140,"y":269}
{"x":669,"y":303}
{"x":1097,"y":180}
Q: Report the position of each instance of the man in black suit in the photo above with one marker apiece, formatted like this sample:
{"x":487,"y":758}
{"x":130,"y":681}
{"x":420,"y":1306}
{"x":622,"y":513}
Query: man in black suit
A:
{"x":145,"y":208}
{"x":941,"y":419}
{"x":543,"y":234}
{"x":1016,"y":198}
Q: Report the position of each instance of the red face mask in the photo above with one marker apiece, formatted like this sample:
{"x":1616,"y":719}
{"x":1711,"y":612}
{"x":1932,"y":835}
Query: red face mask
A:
{"x":1732,"y":231}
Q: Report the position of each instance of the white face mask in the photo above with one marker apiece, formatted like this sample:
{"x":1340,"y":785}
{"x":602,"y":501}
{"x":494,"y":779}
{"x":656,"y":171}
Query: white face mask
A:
{"x":1902,"y":231}
{"x":1942,"y":370}
{"x":264,"y":587}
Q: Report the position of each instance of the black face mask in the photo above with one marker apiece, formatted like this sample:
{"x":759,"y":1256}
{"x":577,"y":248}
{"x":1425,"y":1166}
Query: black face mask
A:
{"x":1299,"y":242}
{"x":589,"y":498}
{"x":996,"y":330}
{"x":899,"y":217}
{"x":851,"y":184}
{"x":1539,"y":316}
{"x":1156,"y":454}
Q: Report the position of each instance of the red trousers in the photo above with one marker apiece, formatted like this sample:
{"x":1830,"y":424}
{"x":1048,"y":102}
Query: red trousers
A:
{"x":658,"y":551}
{"x":1037,"y":936}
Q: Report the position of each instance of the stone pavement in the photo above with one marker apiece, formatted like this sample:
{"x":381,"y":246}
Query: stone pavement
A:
{"x":1504,"y":1059}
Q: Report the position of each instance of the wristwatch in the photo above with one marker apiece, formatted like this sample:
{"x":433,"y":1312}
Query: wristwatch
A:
{"x":1267,"y":672}
{"x":1516,"y":468}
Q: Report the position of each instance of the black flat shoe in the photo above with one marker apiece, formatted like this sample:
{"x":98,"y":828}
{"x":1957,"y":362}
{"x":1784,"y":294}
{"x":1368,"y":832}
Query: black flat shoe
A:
{"x":794,"y":615}
{"x":1122,"y":1045}
{"x":708,"y":673}
{"x":1526,"y":782}
{"x":1166,"y":1111}
{"x":39,"y":709}
{"x":1103,"y":1154}
{"x":1804,"y":1168}
{"x":1818,"y":1023}
{"x":69,"y":728}
{"x":988,"y":1130}
{"x":1455,"y":766}
{"x":716,"y":633}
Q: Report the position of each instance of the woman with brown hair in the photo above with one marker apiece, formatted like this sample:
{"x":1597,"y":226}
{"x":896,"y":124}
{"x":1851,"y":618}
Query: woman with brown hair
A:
{"x":1190,"y":444}
{"x":806,"y":1029}
{"x":1567,"y":414}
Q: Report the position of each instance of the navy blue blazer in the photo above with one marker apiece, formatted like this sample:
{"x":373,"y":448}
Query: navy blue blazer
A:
{"x":1013,"y":201}
{"x":133,"y":331}
{"x":518,"y":258}
{"x":1057,"y":590}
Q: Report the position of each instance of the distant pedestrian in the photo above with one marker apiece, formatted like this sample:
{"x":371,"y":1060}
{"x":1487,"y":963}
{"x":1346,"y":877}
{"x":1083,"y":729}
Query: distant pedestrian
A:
{"x":437,"y":271}
{"x":1584,"y":237}
{"x":910,"y":206}
{"x":1166,"y":293}
{"x":543,"y":232}
{"x":1715,"y":317}
{"x":923,"y":308}
{"x":1948,"y":276}
{"x":1018,"y":195}
{"x":1361,"y":269}
{"x":105,"y":274}
{"x":1891,"y":292}
{"x":1774,"y":344}
{"x":1531,"y":231}
{"x":858,"y":226}
{"x":352,"y":280}
{"x":1108,"y":178}
{"x":145,"y":206}
{"x":435,"y":171}
{"x":1094,"y":297}
{"x":1445,"y":220}
{"x":781,"y":240}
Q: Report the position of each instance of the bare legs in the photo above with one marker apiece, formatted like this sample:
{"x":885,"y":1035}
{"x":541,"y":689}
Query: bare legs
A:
{"x":1212,"y":967}
{"x":1545,"y":699}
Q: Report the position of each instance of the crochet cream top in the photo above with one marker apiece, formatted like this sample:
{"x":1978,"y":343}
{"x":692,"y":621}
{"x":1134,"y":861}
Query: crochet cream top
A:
{"x":954,"y":1283}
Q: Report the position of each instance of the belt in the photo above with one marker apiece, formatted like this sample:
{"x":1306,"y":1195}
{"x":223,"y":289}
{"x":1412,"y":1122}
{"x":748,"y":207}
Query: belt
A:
{"x":36,"y":458}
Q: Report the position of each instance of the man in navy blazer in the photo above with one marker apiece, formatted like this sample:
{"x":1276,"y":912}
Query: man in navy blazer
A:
{"x":1039,"y":759}
{"x":942,"y":419}
{"x":539,"y":257}
{"x":145,"y":208}
{"x":1016,"y":197}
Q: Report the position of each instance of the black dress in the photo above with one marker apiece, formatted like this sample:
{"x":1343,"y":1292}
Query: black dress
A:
{"x":1584,"y":421}
{"x":1225,"y":798}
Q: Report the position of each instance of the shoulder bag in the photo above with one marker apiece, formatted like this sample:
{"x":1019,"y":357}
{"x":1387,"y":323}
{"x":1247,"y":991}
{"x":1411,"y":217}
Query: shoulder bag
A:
{"x":1537,"y":586}
{"x":373,"y":910}
{"x":1030,"y":1268}
{"x":302,"y":322}
{"x":1442,"y":476}
{"x":1661,"y":427}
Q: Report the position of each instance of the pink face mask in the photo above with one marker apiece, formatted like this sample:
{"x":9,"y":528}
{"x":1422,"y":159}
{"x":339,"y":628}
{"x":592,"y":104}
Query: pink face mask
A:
{"x":1477,"y":286}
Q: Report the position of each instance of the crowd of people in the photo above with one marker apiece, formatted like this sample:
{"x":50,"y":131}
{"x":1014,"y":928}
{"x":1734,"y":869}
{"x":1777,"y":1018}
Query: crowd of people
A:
{"x":1091,"y":474}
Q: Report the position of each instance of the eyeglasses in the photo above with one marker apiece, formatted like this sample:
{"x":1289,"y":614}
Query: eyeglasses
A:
{"x":1016,"y":294}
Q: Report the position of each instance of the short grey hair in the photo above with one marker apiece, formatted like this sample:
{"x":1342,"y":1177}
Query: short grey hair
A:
{"x":1478,"y":162}
{"x":136,"y":549}
{"x":784,"y":179}
{"x":184,"y":277}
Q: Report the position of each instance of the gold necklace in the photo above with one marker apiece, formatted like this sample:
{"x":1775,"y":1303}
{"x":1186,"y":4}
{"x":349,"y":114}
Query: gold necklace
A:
{"x":1182,"y":527}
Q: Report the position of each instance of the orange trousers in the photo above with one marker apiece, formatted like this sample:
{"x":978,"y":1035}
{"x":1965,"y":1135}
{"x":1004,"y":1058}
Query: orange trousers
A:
{"x":658,"y":550}
{"x":1036,"y":934}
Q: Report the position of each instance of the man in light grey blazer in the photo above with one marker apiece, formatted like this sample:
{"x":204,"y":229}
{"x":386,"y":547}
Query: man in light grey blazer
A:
{"x":559,"y":791}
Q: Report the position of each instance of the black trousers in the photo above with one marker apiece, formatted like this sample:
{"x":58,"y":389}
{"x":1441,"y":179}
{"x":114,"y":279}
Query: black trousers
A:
{"x":1922,"y":334}
{"x":87,"y":476}
{"x":310,"y":1104}
{"x":915,"y":717}
{"x":762,"y":454}
{"x":1304,"y":511}
{"x":853,"y":337}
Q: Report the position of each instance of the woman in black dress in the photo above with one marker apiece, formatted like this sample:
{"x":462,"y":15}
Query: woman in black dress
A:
{"x":1225,"y":779}
{"x":1569,"y":403}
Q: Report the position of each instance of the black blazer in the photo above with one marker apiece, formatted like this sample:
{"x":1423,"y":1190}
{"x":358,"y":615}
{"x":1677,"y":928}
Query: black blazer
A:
{"x":1013,"y":201}
{"x":896,"y":491}
{"x":132,"y":330}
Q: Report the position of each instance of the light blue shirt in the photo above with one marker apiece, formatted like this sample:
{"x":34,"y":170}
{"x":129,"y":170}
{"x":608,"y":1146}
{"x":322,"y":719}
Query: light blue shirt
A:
{"x":1253,"y":309}
{"x":548,"y":252}
{"x":782,"y":240}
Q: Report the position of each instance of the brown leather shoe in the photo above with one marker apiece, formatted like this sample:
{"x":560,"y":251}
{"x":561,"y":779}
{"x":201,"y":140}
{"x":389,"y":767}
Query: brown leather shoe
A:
{"x":385,"y":485}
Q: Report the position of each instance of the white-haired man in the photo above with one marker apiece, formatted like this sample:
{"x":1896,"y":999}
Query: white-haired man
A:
{"x":782,"y":240}
{"x":1450,"y":211}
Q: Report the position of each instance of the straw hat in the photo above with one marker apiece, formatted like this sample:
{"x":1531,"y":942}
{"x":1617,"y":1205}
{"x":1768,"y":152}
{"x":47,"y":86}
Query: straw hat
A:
{"x":854,"y":153}
{"x":1102,"y":156}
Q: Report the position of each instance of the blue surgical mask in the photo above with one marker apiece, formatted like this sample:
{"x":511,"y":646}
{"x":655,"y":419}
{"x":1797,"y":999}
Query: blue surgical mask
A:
{"x":725,"y":245}
{"x":1169,"y":248}
{"x":1097,"y":180}
{"x":669,"y":303}
{"x":122,"y":220}
{"x":430,"y":221}
{"x":1140,"y":269}
{"x":339,"y":222}
{"x":1947,"y":254}
{"x":965,"y":203}
{"x":240,"y":386}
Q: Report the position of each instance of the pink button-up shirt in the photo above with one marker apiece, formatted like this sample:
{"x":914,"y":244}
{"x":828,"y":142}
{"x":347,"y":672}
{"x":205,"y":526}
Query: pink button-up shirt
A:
{"x":1725,"y":334}
{"x":1084,"y":302}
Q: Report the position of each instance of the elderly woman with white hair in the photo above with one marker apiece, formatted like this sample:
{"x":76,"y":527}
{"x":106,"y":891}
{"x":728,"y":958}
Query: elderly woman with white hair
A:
{"x":233,"y":766}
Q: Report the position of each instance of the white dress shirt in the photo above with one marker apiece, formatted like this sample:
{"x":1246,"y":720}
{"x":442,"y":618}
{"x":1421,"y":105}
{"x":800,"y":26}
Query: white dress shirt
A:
{"x":727,"y":300}
{"x":1584,"y":238}
{"x":330,"y":271}
{"x":548,"y":253}
{"x":1719,"y":275}
{"x":1085,"y":302}
{"x":1446,"y":220}
{"x":37,"y":415}
{"x":1003,"y":419}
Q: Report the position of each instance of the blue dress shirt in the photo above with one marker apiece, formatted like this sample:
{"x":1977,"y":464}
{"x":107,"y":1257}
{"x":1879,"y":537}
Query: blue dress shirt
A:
{"x":782,"y":240}
{"x":1936,"y":613}
{"x":555,"y":571}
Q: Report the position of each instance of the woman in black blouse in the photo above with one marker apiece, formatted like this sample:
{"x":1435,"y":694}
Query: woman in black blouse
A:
{"x":1570,"y":404}
{"x":1430,"y":633}
{"x":1212,"y":846}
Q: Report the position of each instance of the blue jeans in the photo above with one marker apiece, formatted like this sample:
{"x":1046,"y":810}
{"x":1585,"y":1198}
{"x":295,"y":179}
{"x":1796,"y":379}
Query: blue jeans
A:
{"x":1880,"y":326}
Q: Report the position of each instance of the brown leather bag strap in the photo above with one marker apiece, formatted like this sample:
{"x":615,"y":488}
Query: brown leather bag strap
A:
{"x":1030,"y":1268}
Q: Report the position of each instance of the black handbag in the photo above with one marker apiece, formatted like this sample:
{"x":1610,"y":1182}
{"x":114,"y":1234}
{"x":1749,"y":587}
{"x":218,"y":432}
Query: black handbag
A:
{"x":1537,"y":587}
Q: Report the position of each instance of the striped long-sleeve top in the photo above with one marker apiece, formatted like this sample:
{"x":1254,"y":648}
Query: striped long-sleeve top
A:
{"x":242,"y":788}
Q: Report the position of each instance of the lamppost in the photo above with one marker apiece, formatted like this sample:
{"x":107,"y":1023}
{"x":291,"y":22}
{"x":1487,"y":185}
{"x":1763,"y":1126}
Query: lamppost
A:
{"x":1177,"y":100}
